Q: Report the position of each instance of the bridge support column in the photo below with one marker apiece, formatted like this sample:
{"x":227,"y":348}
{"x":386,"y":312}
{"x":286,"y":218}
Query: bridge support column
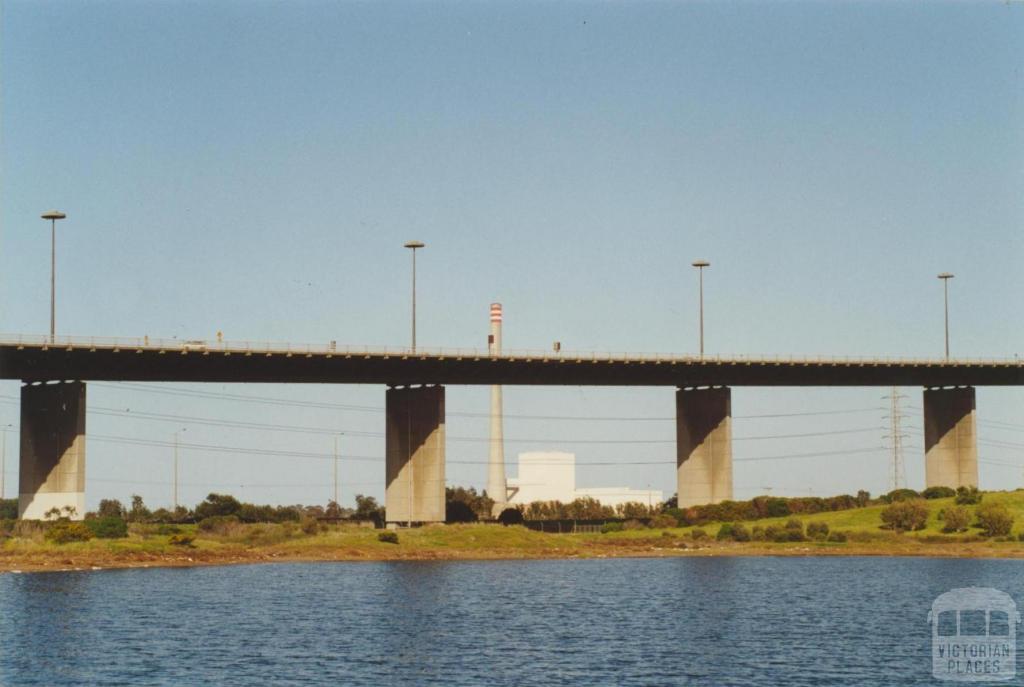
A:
{"x":703,"y":445}
{"x":52,"y":463}
{"x":950,"y":438}
{"x":415,"y":455}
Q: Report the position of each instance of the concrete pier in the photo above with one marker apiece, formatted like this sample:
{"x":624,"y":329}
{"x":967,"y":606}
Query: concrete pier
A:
{"x":950,"y":438}
{"x":703,"y":445}
{"x":415,"y":448}
{"x":52,"y":462}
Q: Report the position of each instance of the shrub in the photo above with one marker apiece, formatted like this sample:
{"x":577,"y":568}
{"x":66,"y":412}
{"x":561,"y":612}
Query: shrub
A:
{"x":181,"y":540}
{"x":388,"y":537}
{"x":611,"y":527}
{"x":459,"y":511}
{"x":968,"y":496}
{"x":774,"y":533}
{"x":8,"y":509}
{"x":724,"y":532}
{"x":795,"y":525}
{"x":817,"y":531}
{"x":995,"y":519}
{"x":698,"y":534}
{"x":64,"y":532}
{"x":906,"y":515}
{"x":757,"y":534}
{"x":109,"y":527}
{"x":669,"y":535}
{"x":511,"y":516}
{"x":309,"y":525}
{"x":938,"y":492}
{"x":663,"y":520}
{"x":956,"y":519}
{"x":897,"y":495}
{"x":837,"y":536}
{"x":167,"y":529}
{"x":632,"y":525}
{"x":219,"y":524}
{"x":740,"y":532}
{"x":676,"y":514}
{"x":111,"y":508}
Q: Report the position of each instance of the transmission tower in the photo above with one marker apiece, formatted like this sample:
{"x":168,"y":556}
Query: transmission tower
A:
{"x":895,"y":437}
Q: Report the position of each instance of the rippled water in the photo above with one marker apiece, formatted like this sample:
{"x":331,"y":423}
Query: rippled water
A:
{"x":716,"y":621}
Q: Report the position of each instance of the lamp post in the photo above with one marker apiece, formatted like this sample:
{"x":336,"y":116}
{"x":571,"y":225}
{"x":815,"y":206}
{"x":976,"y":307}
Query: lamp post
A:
{"x":945,"y":277}
{"x":700,"y":265}
{"x":53,"y":216}
{"x":413,"y":245}
{"x":176,"y":466}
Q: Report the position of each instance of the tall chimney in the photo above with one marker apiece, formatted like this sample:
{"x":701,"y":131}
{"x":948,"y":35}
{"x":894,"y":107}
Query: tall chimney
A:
{"x":496,"y":485}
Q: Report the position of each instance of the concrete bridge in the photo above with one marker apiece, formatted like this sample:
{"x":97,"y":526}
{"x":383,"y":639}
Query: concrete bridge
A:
{"x":53,"y":401}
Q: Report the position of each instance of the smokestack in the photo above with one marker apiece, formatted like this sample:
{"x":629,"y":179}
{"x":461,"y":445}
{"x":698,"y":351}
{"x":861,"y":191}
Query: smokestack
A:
{"x":496,"y":486}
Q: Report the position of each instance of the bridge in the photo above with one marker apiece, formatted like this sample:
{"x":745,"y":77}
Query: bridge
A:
{"x":54,"y":373}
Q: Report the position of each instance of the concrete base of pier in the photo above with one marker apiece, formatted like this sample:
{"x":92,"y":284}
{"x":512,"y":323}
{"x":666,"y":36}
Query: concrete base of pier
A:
{"x":703,"y":445}
{"x":950,"y":438}
{"x":52,"y":461}
{"x":415,"y":448}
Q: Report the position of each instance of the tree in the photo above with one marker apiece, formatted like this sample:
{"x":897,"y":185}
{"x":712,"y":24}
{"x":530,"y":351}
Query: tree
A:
{"x":902,"y":516}
{"x":138,"y":512}
{"x":111,"y":508}
{"x":218,"y":504}
{"x":333,"y":510}
{"x":968,"y":496}
{"x":511,"y":516}
{"x":459,"y":511}
{"x":367,"y":508}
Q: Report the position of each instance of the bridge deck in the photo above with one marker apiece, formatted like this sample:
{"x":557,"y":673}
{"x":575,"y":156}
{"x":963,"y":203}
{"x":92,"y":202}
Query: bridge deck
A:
{"x":32,"y":358}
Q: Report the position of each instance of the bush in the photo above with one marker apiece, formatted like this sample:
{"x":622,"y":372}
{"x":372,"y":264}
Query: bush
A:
{"x":167,"y":529}
{"x":897,"y":495}
{"x":938,"y":492}
{"x":64,"y":532}
{"x":459,"y":511}
{"x":676,"y":514}
{"x":633,"y":525}
{"x":698,"y":534}
{"x":902,"y":516}
{"x":837,"y":536}
{"x":724,"y":532}
{"x":181,"y":540}
{"x":309,"y":525}
{"x":757,"y":534}
{"x":995,"y":519}
{"x":817,"y":531}
{"x":8,"y":509}
{"x":795,"y":525}
{"x":388,"y":537}
{"x":968,"y":496}
{"x":740,"y":532}
{"x":663,"y":520}
{"x":611,"y":527}
{"x":109,"y":527}
{"x":219,"y":524}
{"x":956,"y":519}
{"x":511,"y":516}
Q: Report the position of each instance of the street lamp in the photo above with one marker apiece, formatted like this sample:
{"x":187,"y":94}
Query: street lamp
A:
{"x":183,"y":429}
{"x":53,"y":216}
{"x":945,"y":277}
{"x":700,"y":265}
{"x":414,"y":245}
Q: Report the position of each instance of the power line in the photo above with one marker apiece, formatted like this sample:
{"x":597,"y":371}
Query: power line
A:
{"x":377,"y":409}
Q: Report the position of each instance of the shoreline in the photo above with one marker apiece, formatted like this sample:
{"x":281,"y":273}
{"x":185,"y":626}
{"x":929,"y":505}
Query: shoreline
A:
{"x":96,"y":560}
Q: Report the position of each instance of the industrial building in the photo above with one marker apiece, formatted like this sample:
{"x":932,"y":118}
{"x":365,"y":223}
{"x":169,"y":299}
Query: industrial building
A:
{"x":551,"y":476}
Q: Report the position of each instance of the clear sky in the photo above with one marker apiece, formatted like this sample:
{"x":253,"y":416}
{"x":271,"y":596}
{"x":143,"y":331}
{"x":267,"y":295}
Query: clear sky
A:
{"x":254,"y":168}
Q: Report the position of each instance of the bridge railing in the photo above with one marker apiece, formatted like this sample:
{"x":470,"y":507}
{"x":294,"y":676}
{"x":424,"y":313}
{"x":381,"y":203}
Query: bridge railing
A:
{"x":331,"y":348}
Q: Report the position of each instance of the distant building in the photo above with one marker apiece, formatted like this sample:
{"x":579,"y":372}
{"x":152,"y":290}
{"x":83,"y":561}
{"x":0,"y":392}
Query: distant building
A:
{"x":551,"y":476}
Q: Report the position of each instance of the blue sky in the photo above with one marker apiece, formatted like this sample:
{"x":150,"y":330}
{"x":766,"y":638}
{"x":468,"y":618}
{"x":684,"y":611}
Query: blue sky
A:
{"x":254,"y":168}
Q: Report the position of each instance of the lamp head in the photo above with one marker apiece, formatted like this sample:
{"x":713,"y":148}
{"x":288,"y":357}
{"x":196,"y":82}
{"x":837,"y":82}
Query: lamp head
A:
{"x":53,"y":214}
{"x":701,"y":263}
{"x":415,"y":244}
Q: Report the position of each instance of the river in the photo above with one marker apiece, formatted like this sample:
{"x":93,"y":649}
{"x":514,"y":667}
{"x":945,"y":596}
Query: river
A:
{"x":676,"y":621}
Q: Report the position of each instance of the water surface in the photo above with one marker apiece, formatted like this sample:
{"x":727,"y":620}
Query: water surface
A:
{"x":714,"y":620}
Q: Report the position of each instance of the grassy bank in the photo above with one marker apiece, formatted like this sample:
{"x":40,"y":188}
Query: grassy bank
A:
{"x":151,"y":545}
